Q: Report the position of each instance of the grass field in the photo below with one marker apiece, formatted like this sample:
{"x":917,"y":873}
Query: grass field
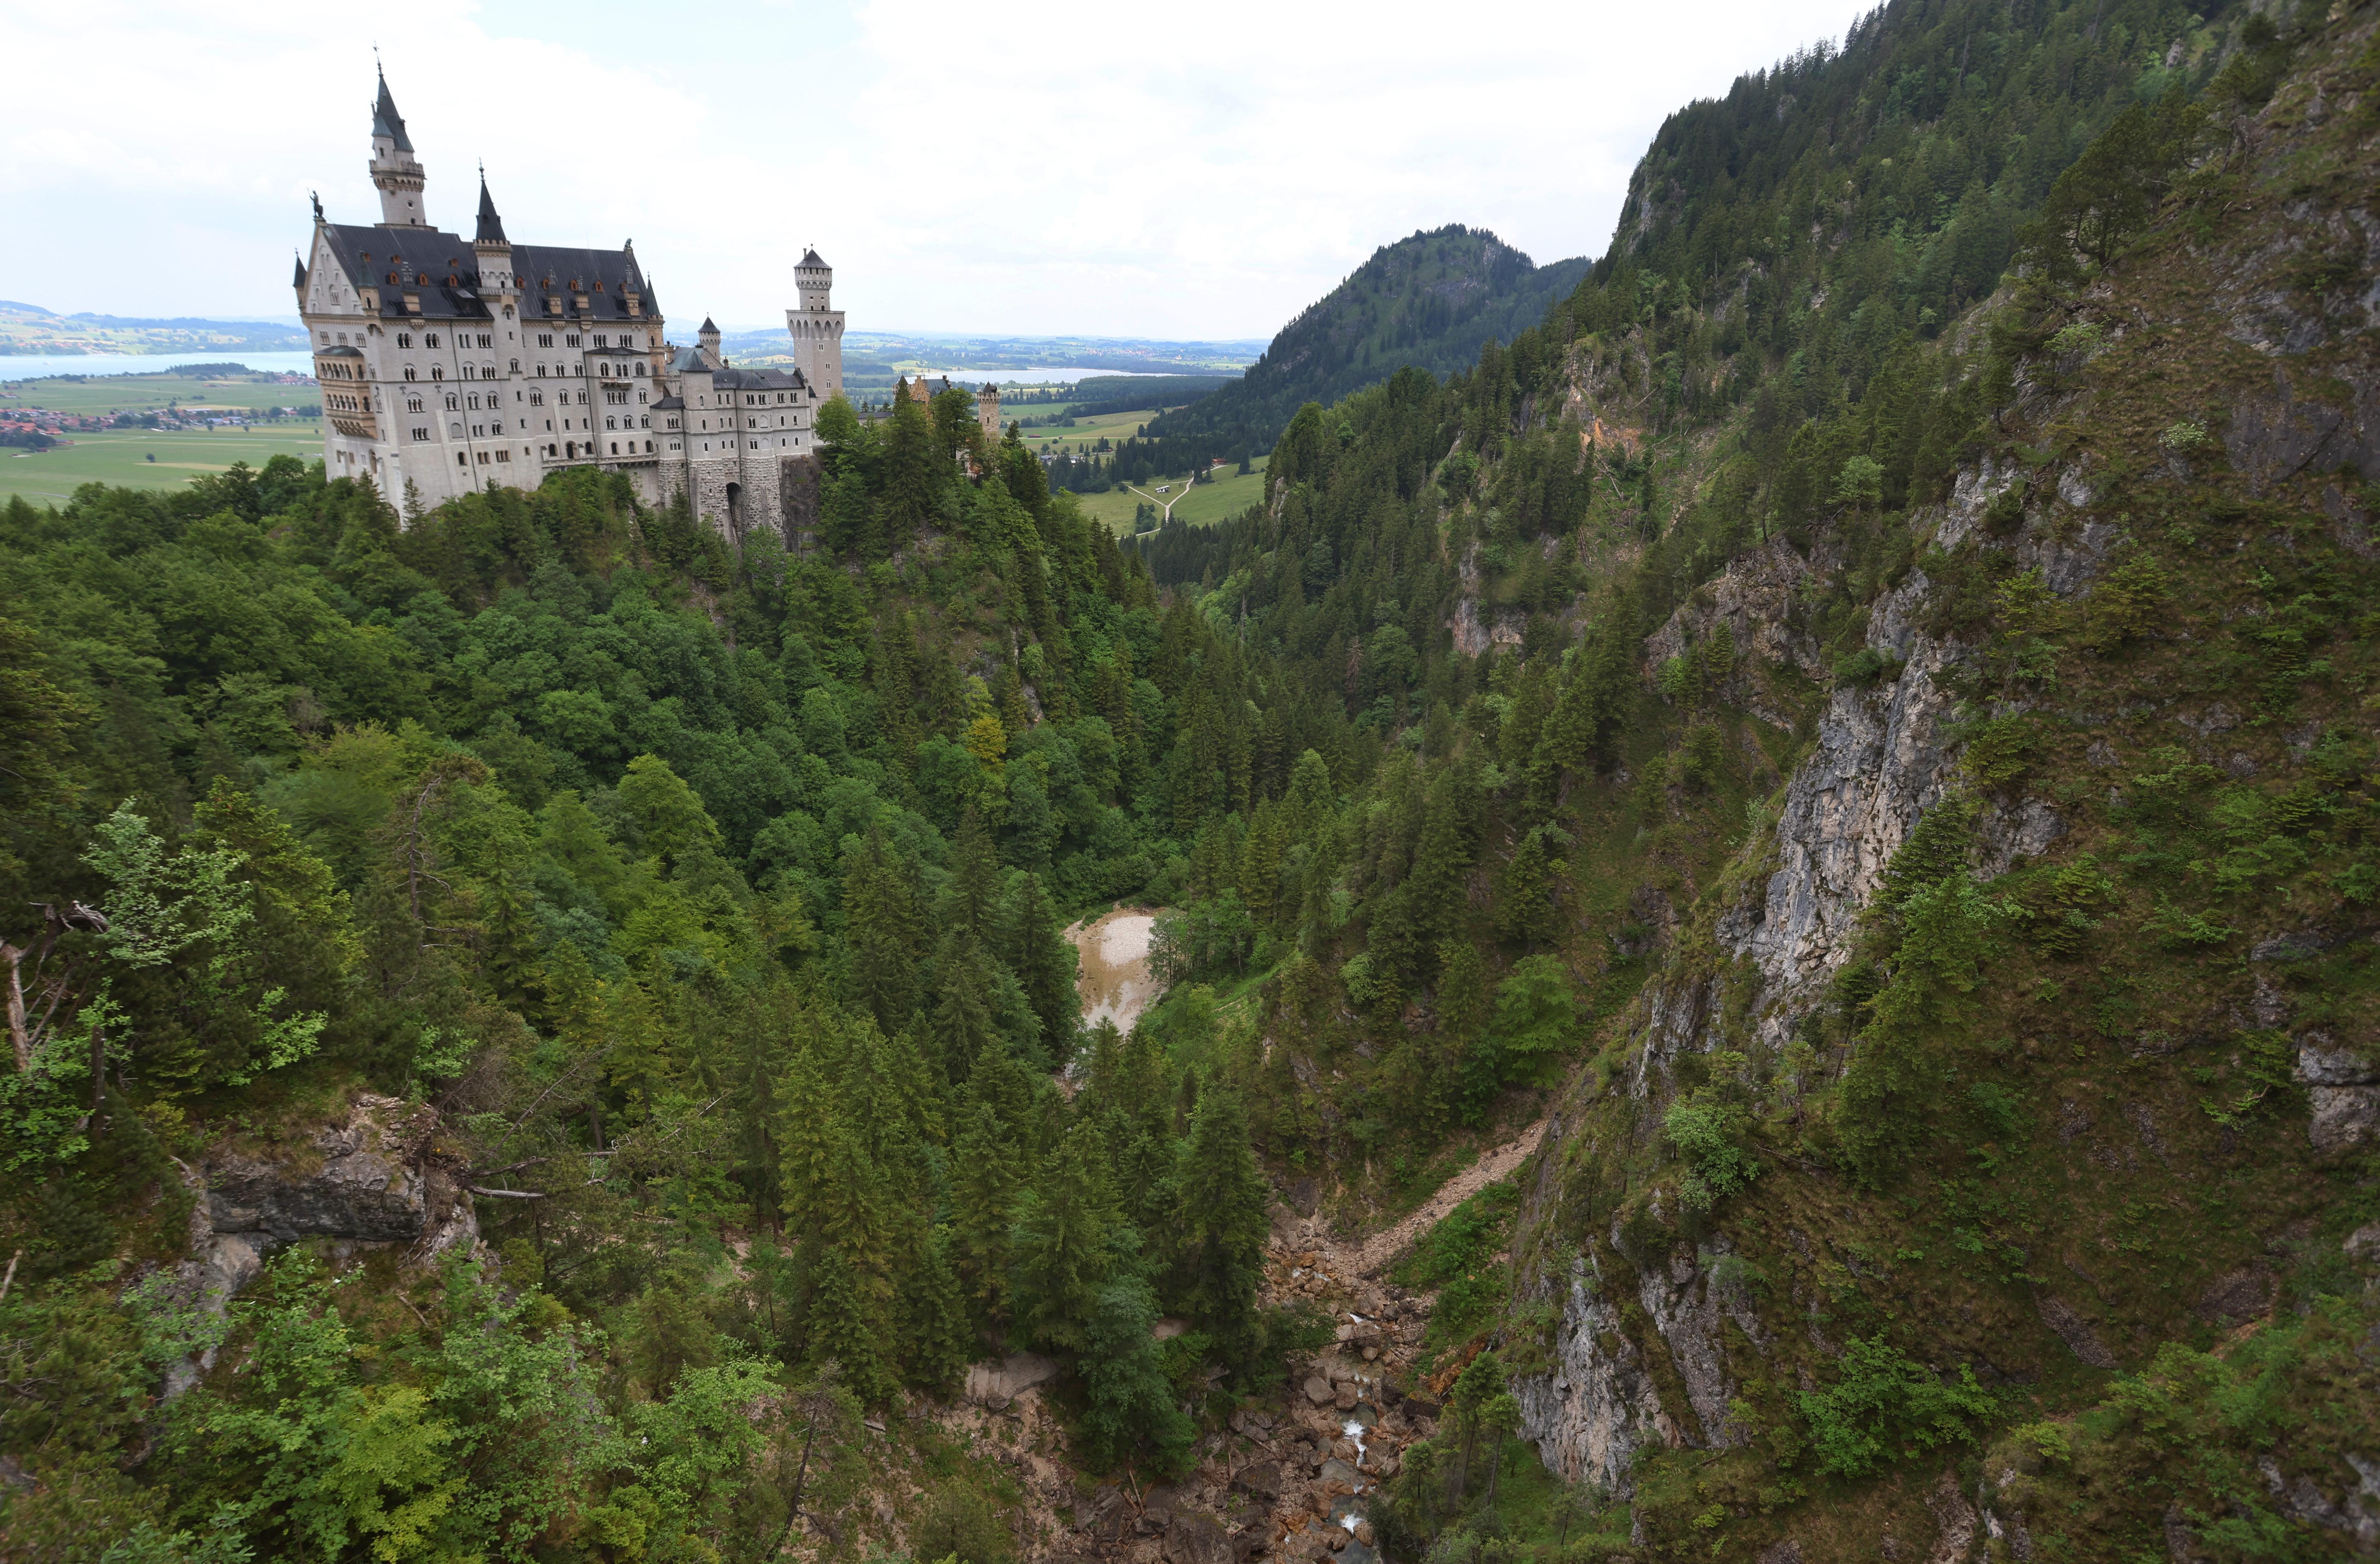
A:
{"x":121,"y":457}
{"x":148,"y":394}
{"x":1228,"y":496}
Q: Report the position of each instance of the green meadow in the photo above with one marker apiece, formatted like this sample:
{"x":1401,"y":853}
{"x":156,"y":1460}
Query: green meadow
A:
{"x":124,"y":457}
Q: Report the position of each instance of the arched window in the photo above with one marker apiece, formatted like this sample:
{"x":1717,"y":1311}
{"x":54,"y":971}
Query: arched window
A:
{"x":437,"y":371}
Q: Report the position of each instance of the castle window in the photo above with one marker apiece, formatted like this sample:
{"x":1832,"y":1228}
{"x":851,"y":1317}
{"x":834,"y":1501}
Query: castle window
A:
{"x":544,"y":339}
{"x":431,"y":340}
{"x":453,"y":402}
{"x":515,"y":363}
{"x":570,"y":339}
{"x":541,"y":371}
{"x":537,"y":398}
{"x":468,"y":371}
{"x":641,"y":394}
{"x":437,"y":371}
{"x":419,"y":433}
{"x":600,"y":340}
{"x":487,"y":339}
{"x":404,"y":339}
{"x":413,"y":404}
{"x":641,"y":366}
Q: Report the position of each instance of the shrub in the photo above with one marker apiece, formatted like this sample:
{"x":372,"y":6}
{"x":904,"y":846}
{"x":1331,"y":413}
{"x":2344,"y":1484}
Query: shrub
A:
{"x":1706,"y":1134}
{"x":1868,"y":666}
{"x":1887,"y":1408}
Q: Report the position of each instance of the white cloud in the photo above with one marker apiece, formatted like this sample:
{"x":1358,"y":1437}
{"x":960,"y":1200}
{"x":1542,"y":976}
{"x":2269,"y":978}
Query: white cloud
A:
{"x":1173,"y":172}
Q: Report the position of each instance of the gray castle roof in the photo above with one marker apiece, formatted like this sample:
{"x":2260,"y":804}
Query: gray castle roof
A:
{"x":441,"y":269}
{"x":299,"y":281}
{"x":760,"y":379}
{"x":386,"y":121}
{"x":492,"y":227}
{"x":809,"y":258}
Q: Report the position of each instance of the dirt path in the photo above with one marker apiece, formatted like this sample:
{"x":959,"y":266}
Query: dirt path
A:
{"x":1385,"y":1246}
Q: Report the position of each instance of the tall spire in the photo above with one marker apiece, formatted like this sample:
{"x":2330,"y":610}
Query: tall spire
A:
{"x":299,"y":280}
{"x":492,"y":227}
{"x":386,"y":121}
{"x":396,"y":172}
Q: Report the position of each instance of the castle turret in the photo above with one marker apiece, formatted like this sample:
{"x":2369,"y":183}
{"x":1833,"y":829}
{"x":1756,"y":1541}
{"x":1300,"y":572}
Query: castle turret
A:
{"x":709,"y":337}
{"x":987,"y":411}
{"x":394,"y":171}
{"x":495,"y":251}
{"x":817,"y":330}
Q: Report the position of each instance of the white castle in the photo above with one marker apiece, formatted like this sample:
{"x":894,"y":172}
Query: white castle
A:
{"x":448,"y":365}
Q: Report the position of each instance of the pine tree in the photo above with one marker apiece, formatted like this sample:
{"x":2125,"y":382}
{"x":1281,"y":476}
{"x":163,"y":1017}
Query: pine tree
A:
{"x":961,"y":1025}
{"x":1061,"y":1252}
{"x":1525,"y":908}
{"x":881,"y":918}
{"x":1132,"y":1412}
{"x":1045,"y":963}
{"x":973,"y":898}
{"x":1219,"y":1227}
{"x":935,"y":1345}
{"x":986,"y":1175}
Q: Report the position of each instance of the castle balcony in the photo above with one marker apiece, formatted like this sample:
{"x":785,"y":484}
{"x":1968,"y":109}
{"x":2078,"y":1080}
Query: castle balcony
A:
{"x":359,"y":426}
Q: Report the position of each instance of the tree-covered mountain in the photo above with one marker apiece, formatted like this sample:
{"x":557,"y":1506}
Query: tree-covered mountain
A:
{"x":1854,"y":723}
{"x":1428,"y":301}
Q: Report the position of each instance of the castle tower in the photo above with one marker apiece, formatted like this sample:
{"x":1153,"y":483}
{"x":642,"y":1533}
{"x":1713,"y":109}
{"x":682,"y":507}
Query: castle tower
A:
{"x":709,"y":337}
{"x":494,"y":251}
{"x":817,"y":330}
{"x":987,"y":412}
{"x":395,"y":170}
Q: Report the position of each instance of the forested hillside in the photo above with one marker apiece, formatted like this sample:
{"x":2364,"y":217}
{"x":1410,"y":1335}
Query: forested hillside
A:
{"x":545,"y":1032}
{"x":1428,"y":302}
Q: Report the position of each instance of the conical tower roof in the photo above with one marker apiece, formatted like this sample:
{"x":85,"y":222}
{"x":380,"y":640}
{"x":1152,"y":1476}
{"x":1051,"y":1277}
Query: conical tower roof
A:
{"x":299,"y":280}
{"x":386,"y":121}
{"x":492,"y":227}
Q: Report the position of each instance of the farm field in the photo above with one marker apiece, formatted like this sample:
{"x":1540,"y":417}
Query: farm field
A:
{"x":1229,"y":494}
{"x":122,"y":456}
{"x":148,"y":394}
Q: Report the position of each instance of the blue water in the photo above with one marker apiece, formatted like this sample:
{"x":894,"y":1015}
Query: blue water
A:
{"x":37,"y":366}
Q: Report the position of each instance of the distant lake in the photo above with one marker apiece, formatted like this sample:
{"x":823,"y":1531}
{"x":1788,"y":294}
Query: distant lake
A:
{"x":39,"y":366}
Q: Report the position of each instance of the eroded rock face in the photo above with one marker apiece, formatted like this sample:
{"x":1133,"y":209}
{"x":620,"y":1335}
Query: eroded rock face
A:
{"x":362,"y":1189}
{"x":364,"y":1181}
{"x":1599,"y":1407}
{"x":1879,"y":764}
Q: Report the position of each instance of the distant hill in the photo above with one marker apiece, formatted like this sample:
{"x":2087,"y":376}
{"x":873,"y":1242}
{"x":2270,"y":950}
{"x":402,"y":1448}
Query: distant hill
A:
{"x":1431,"y":300}
{"x":29,"y":329}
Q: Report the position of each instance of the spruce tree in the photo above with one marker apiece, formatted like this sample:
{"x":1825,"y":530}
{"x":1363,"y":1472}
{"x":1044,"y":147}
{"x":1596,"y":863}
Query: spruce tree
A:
{"x":986,"y":1175}
{"x":1219,"y":1227}
{"x":1061,"y":1251}
{"x":1132,"y":1413}
{"x":1045,"y":963}
{"x":881,"y":920}
{"x":935,"y":1343}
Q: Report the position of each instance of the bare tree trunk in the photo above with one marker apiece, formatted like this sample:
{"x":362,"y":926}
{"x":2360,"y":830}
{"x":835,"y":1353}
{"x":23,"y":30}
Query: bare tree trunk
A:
{"x":20,"y":1037}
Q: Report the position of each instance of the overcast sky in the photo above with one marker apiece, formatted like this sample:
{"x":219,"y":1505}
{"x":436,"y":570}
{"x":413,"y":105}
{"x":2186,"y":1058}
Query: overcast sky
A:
{"x":1185,"y":172}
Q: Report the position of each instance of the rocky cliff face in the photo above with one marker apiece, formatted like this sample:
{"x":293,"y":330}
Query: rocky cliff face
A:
{"x":362,"y":1178}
